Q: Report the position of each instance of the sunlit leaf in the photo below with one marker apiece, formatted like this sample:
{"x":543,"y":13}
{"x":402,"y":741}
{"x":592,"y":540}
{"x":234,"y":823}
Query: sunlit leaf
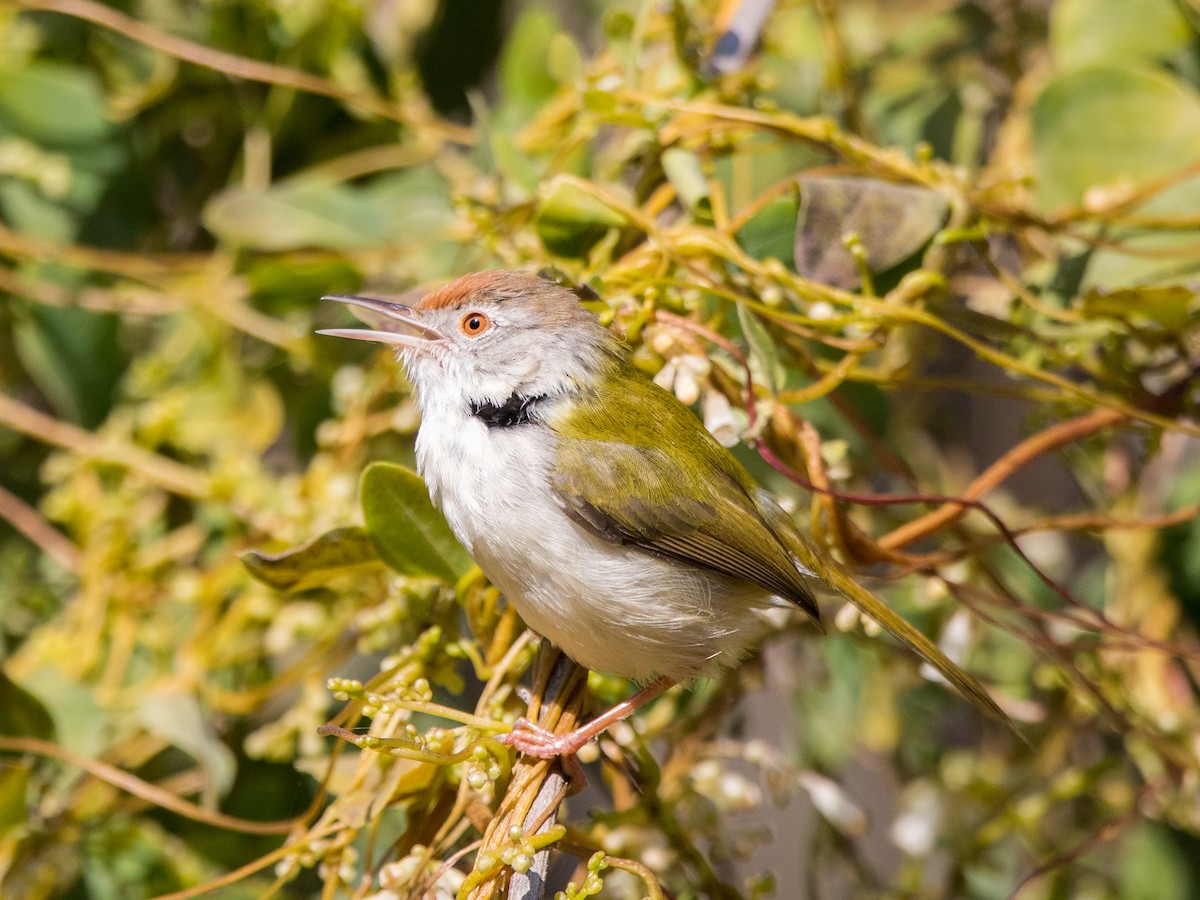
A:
{"x":28,"y":210}
{"x":1105,"y":126}
{"x":409,"y":533}
{"x":683,"y":170}
{"x":55,"y":103}
{"x":78,"y":721}
{"x":329,"y":556}
{"x":1170,"y":307}
{"x":319,"y":212}
{"x":1133,"y":31}
{"x":524,"y":74}
{"x":300,"y":214}
{"x":178,"y":719}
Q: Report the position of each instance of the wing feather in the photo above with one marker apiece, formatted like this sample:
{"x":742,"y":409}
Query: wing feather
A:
{"x":633,"y":495}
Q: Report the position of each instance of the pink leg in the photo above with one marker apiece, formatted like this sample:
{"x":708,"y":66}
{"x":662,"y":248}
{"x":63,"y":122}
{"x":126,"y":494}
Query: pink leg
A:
{"x":533,"y":739}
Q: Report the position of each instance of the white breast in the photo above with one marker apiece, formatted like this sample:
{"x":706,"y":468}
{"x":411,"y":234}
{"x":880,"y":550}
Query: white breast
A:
{"x":610,"y":607}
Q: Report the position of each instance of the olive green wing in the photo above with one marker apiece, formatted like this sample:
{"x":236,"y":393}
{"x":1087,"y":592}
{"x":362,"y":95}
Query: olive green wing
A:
{"x":666,"y":486}
{"x":834,"y":576}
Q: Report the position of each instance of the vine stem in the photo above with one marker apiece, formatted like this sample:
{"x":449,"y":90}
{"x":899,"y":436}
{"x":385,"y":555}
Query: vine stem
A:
{"x":29,"y":522}
{"x":543,"y":814}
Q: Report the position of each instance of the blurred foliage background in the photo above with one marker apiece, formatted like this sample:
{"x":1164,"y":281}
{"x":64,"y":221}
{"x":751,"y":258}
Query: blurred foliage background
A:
{"x":957,"y":246}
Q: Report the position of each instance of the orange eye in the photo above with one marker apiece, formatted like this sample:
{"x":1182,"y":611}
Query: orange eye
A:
{"x":474,"y":324}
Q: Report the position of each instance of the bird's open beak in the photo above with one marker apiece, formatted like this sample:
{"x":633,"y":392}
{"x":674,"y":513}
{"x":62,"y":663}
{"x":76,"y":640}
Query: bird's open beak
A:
{"x":391,"y":323}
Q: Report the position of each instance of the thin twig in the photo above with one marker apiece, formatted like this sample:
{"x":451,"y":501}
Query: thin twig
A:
{"x":29,"y":522}
{"x":1044,"y":441}
{"x":153,"y":794}
{"x":243,"y":68}
{"x":166,"y":473}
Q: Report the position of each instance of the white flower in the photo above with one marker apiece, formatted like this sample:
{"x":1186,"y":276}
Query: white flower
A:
{"x":834,"y":804}
{"x":718,"y":418}
{"x":915,"y":830}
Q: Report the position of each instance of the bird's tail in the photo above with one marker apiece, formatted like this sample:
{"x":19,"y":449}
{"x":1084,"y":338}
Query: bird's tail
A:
{"x":831,"y":573}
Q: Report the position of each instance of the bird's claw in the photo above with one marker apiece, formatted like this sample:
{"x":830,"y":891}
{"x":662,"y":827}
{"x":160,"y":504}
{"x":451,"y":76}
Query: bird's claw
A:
{"x":534,"y":740}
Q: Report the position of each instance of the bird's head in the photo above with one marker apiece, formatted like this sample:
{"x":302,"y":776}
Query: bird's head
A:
{"x":487,"y":337}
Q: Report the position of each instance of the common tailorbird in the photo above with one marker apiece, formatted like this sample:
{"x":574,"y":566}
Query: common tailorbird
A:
{"x":597,"y":503}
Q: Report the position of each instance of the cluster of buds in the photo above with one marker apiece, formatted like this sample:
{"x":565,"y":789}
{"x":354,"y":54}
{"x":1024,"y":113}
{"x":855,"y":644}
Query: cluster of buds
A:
{"x":482,"y":770}
{"x":592,"y":885}
{"x":347,"y":689}
{"x":316,"y":853}
{"x":518,"y":851}
{"x":687,"y":373}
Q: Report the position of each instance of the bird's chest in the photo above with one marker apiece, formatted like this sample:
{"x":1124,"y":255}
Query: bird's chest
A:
{"x":491,"y":483}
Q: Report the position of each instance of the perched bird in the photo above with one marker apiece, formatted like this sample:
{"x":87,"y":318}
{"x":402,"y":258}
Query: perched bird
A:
{"x":597,"y":503}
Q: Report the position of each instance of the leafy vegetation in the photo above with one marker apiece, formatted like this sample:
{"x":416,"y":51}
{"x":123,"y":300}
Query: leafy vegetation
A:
{"x":931,"y":268}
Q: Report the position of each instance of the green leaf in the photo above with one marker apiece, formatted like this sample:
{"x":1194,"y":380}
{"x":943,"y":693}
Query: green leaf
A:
{"x":409,"y":533}
{"x":1154,"y":258}
{"x":178,"y":718}
{"x":21,"y":713}
{"x":570,"y":222}
{"x":14,"y":784}
{"x":54,"y":103}
{"x":319,"y":212}
{"x":27,"y":210}
{"x":772,"y":232}
{"x":308,"y":213}
{"x":78,"y":721}
{"x":316,"y":562}
{"x":564,"y":61}
{"x":287,"y":283}
{"x":1083,"y":32}
{"x":683,"y":170}
{"x":525,"y":76}
{"x":762,"y":349}
{"x":1168,"y":306}
{"x":1110,"y":126}
{"x":892,"y":221}
{"x":74,"y":357}
{"x":1154,"y":865}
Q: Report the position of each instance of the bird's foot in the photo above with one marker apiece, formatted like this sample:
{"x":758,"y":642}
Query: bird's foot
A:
{"x":530,"y":738}
{"x":534,"y":740}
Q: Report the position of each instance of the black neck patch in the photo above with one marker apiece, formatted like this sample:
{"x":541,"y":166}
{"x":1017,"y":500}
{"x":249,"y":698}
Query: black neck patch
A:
{"x":516,"y":410}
